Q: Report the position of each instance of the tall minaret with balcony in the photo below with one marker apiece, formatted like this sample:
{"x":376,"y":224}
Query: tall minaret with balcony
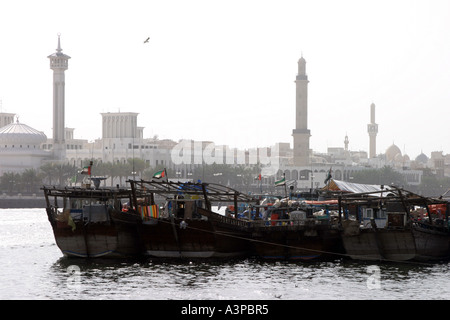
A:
{"x":346,"y":142}
{"x":59,"y":63}
{"x":301,"y":133}
{"x":372,"y":129}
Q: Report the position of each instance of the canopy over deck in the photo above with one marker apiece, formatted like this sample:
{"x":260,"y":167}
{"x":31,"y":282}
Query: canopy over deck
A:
{"x":78,"y":192}
{"x":357,"y":192}
{"x":393,"y":195}
{"x":349,"y":187}
{"x":196,"y":190}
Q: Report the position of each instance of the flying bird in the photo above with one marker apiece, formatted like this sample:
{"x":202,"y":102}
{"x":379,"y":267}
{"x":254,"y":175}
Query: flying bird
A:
{"x":146,"y":40}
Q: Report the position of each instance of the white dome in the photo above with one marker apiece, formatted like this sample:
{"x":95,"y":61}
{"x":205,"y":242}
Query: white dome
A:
{"x":392,"y":152}
{"x":19,"y":133}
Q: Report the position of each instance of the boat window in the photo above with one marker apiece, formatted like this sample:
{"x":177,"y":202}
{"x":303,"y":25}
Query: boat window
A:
{"x":368,"y":213}
{"x":110,"y":203}
{"x":75,"y":204}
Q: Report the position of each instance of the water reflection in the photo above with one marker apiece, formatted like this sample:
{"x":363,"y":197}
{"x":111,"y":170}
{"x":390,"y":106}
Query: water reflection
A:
{"x":242,"y":279}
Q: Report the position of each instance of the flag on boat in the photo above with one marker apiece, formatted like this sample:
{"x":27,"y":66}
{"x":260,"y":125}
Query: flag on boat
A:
{"x":281,"y":182}
{"x":160,"y":174}
{"x":86,"y":170}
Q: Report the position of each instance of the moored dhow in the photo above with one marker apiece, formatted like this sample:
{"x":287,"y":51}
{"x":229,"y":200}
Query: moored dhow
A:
{"x":394,"y":225}
{"x":186,"y":226}
{"x":93,"y":222}
{"x":298,"y":230}
{"x":167,"y":219}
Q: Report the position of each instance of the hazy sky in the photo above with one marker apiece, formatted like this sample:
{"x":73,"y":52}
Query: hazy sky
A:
{"x":225,"y":70}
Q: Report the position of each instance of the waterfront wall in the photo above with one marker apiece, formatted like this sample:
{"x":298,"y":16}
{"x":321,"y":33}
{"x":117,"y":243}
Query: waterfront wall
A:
{"x":19,"y":201}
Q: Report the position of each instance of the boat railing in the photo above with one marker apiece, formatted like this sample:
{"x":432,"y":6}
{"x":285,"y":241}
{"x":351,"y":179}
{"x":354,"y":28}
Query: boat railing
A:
{"x":224,"y":219}
{"x":290,"y":222}
{"x":425,"y":225}
{"x":249,"y":223}
{"x":232,"y":221}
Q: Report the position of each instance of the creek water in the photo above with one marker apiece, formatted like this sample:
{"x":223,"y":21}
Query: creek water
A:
{"x":33,"y":267}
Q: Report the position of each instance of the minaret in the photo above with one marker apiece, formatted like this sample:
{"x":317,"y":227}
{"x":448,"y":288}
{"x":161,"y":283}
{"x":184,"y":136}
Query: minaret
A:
{"x":301,"y":133}
{"x":372,"y":129}
{"x":59,"y":63}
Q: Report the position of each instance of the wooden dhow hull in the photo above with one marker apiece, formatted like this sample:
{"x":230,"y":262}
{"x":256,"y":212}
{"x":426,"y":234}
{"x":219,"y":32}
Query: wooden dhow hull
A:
{"x":296,"y":242}
{"x":108,"y":239}
{"x":431,"y":243}
{"x":403,"y":244}
{"x":86,"y":241}
{"x":88,"y":223}
{"x":368,"y":244}
{"x":208,"y":237}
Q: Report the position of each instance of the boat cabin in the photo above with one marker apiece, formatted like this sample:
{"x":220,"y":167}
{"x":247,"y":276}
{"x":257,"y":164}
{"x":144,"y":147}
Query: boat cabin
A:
{"x":394,"y":210}
{"x":84,"y":204}
{"x":184,"y":200}
{"x":379,"y":215}
{"x":182,"y":208}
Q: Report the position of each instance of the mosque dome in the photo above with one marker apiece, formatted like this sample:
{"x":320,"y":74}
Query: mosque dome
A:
{"x":20,"y":133}
{"x":392,"y":152}
{"x":422,"y":158}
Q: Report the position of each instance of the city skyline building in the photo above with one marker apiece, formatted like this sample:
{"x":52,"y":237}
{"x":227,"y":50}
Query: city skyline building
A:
{"x":122,"y":139}
{"x":372,"y":129}
{"x":301,"y":134}
{"x":59,"y":63}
